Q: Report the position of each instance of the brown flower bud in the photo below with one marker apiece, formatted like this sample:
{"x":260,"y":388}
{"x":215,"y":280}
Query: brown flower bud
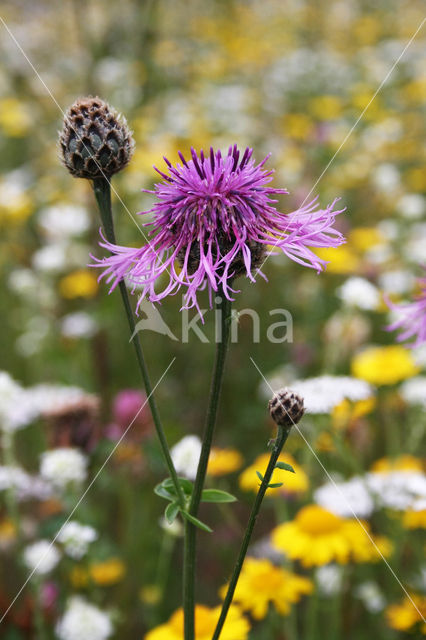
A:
{"x":95,"y":140}
{"x":286,"y":407}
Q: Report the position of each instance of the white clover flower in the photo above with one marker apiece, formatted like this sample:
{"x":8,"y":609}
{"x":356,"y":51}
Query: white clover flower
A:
{"x":64,"y":221}
{"x":329,"y":579}
{"x":185,"y":455}
{"x":399,"y":490}
{"x":41,"y":557}
{"x":371,"y":596}
{"x":360,"y":293}
{"x":83,"y":620}
{"x":76,"y":538}
{"x":63,"y":466}
{"x":414,"y":391}
{"x":346,"y":499}
{"x":323,"y":393}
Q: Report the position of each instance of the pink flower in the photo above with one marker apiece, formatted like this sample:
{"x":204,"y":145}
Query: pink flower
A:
{"x":411,"y":318}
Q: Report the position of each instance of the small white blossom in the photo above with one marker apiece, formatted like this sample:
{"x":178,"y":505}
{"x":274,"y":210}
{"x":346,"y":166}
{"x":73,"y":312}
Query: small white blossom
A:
{"x":24,"y":485}
{"x":78,"y":325}
{"x":76,"y":538}
{"x":398,"y":490}
{"x":386,"y":177}
{"x":175,"y":529}
{"x":185,"y":455}
{"x":41,"y":557}
{"x":411,"y":205}
{"x":323,"y":393}
{"x":414,"y":391}
{"x":16,"y":409}
{"x":329,"y":579}
{"x":371,"y":596}
{"x":346,"y":499}
{"x":396,"y":282}
{"x":63,"y":221}
{"x":63,"y":466}
{"x":360,"y":293}
{"x":83,"y":620}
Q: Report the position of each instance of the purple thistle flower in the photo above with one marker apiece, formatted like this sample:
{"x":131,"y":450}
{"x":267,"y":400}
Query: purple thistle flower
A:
{"x":411,"y":318}
{"x":214,"y":216}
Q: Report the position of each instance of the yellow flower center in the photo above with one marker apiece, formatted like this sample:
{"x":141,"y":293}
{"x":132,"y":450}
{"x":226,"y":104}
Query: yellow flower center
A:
{"x":316,"y":520}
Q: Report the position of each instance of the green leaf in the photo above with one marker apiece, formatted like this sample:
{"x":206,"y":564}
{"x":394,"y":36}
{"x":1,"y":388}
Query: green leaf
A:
{"x":259,"y":475}
{"x":216,"y":495}
{"x":172,"y":511}
{"x":197,"y":522}
{"x":275,"y":485}
{"x":284,"y":466}
{"x":186,"y":485}
{"x":161,"y":491}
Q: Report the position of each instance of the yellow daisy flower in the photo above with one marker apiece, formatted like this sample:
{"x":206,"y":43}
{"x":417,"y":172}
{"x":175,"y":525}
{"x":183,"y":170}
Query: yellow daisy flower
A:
{"x":297,"y":482}
{"x":384,"y":365}
{"x":236,"y":626}
{"x":108,"y":572}
{"x":407,"y":614}
{"x":223,"y":461}
{"x":317,"y":537}
{"x":81,"y":283}
{"x":347,"y":412}
{"x":364,"y":238}
{"x":404,"y":462}
{"x":414,"y":519}
{"x":261,"y":582}
{"x":340,"y":260}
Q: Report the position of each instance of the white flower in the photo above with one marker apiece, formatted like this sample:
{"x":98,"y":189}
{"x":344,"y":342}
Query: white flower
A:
{"x":414,"y":391}
{"x":359,"y":292}
{"x":78,"y":325}
{"x":346,"y":499}
{"x":420,"y":356}
{"x":41,"y":556}
{"x":25,"y":486}
{"x":323,"y":393}
{"x":414,"y":248}
{"x":63,"y":466}
{"x":185,"y":455}
{"x":50,"y":398}
{"x":371,"y":596}
{"x":16,"y":409}
{"x":174,"y":529}
{"x":399,"y":490}
{"x":76,"y":538}
{"x":63,"y":221}
{"x":329,"y":579}
{"x":386,"y":177}
{"x":411,"y":205}
{"x":396,"y":281}
{"x":83,"y":620}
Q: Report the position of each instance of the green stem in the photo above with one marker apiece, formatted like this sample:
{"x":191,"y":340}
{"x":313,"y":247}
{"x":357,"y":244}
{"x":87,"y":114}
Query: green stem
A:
{"x":224,"y":308}
{"x":102,"y":189}
{"x":282,"y":436}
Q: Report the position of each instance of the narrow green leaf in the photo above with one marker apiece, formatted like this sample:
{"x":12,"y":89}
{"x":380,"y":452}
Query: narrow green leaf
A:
{"x":171,"y":512}
{"x":197,"y":522}
{"x":284,"y":466}
{"x":160,"y":490}
{"x":216,"y":495}
{"x":275,"y":485}
{"x":186,"y":485}
{"x":259,"y":475}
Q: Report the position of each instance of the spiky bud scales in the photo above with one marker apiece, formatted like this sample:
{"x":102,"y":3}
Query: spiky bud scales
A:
{"x":95,"y":140}
{"x":286,"y":407}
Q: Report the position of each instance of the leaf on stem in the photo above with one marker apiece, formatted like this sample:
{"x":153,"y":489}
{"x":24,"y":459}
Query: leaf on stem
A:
{"x":284,"y":466}
{"x":196,"y":522}
{"x":216,"y":495}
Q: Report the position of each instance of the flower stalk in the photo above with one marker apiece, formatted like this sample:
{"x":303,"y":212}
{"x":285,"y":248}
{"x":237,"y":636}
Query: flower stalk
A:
{"x":224,"y":308}
{"x":278,"y":444}
{"x":102,"y":190}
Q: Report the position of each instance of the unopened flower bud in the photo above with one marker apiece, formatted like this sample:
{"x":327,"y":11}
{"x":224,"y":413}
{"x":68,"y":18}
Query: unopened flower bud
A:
{"x":95,"y":140}
{"x":286,"y":407}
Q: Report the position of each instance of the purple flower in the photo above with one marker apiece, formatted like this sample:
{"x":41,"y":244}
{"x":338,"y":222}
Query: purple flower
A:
{"x":214,"y":217}
{"x":411,"y":318}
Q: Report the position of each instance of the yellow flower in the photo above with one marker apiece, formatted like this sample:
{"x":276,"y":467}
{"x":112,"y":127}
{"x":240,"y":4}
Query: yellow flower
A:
{"x":340,"y":260}
{"x":108,"y":572}
{"x":384,"y":365}
{"x":15,"y":203}
{"x":79,"y":577}
{"x":14,"y":118}
{"x":346,"y":412}
{"x":81,"y":283}
{"x":363,"y":238}
{"x":408,"y":613}
{"x":150,"y":594}
{"x":236,"y":626}
{"x":404,"y":462}
{"x":414,"y":519}
{"x":297,"y":125}
{"x":297,"y":482}
{"x":261,"y":582}
{"x":223,"y":461}
{"x":326,"y":107}
{"x":7,"y":531}
{"x":317,"y":537}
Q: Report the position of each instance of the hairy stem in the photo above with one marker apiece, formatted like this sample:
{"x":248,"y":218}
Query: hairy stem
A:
{"x":102,"y":189}
{"x":282,"y":436}
{"x":224,"y":307}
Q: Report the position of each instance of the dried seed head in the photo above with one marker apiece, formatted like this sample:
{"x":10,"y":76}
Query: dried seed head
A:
{"x":95,"y":140}
{"x":286,"y":407}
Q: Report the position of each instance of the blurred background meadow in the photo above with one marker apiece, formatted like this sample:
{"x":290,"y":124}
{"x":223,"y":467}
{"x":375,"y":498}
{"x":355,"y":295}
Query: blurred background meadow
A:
{"x":289,"y":78}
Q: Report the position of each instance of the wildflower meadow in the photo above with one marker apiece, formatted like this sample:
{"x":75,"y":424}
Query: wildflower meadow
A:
{"x":213,"y":303}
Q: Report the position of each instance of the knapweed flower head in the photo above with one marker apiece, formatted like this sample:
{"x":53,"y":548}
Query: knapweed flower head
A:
{"x":214,"y":218}
{"x":411,"y":318}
